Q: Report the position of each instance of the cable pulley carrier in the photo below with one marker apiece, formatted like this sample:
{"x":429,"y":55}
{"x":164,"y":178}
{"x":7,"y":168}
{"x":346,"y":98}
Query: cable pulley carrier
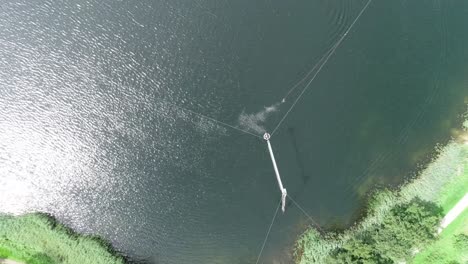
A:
{"x":284,"y":193}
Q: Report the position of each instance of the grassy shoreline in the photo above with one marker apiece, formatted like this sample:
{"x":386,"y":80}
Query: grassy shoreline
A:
{"x":443,"y":183}
{"x":447,"y":248}
{"x":39,"y":238}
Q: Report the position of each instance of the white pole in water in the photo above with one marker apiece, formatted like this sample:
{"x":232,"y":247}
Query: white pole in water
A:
{"x":267,"y":137}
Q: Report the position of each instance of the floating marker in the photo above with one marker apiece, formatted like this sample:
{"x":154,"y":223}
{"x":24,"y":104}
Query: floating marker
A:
{"x":267,"y":137}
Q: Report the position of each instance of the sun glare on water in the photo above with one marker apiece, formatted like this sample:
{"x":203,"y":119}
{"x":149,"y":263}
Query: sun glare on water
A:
{"x":36,"y":165}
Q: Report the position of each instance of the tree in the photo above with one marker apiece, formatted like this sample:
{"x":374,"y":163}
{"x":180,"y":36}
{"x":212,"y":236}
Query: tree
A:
{"x":404,"y":228}
{"x":407,"y":227}
{"x":359,"y":250}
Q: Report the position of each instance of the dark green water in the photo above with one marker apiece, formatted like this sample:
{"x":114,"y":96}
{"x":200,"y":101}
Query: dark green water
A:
{"x":89,"y":134}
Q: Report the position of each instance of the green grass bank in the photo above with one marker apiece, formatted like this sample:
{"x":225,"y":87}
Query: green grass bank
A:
{"x":442,"y":183}
{"x":39,"y":239}
{"x":451,"y":247}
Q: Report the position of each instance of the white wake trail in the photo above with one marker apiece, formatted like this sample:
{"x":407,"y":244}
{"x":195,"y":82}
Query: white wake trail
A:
{"x":255,"y":121}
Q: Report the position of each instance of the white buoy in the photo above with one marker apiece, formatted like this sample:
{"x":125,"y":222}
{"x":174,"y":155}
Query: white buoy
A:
{"x":284,"y":193}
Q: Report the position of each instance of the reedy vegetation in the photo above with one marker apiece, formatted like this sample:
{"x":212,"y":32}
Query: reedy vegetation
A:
{"x":39,"y":239}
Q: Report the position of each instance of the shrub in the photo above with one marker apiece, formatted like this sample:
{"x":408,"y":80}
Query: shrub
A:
{"x":461,"y":242}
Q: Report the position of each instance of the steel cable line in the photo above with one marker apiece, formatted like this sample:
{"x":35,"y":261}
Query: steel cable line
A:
{"x":321,"y":66}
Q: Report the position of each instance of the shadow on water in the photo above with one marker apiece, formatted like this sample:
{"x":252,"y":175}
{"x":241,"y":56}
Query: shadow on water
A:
{"x":300,"y":164}
{"x":305,"y":178}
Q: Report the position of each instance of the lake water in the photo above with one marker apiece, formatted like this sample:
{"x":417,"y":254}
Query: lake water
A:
{"x":93,"y":128}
